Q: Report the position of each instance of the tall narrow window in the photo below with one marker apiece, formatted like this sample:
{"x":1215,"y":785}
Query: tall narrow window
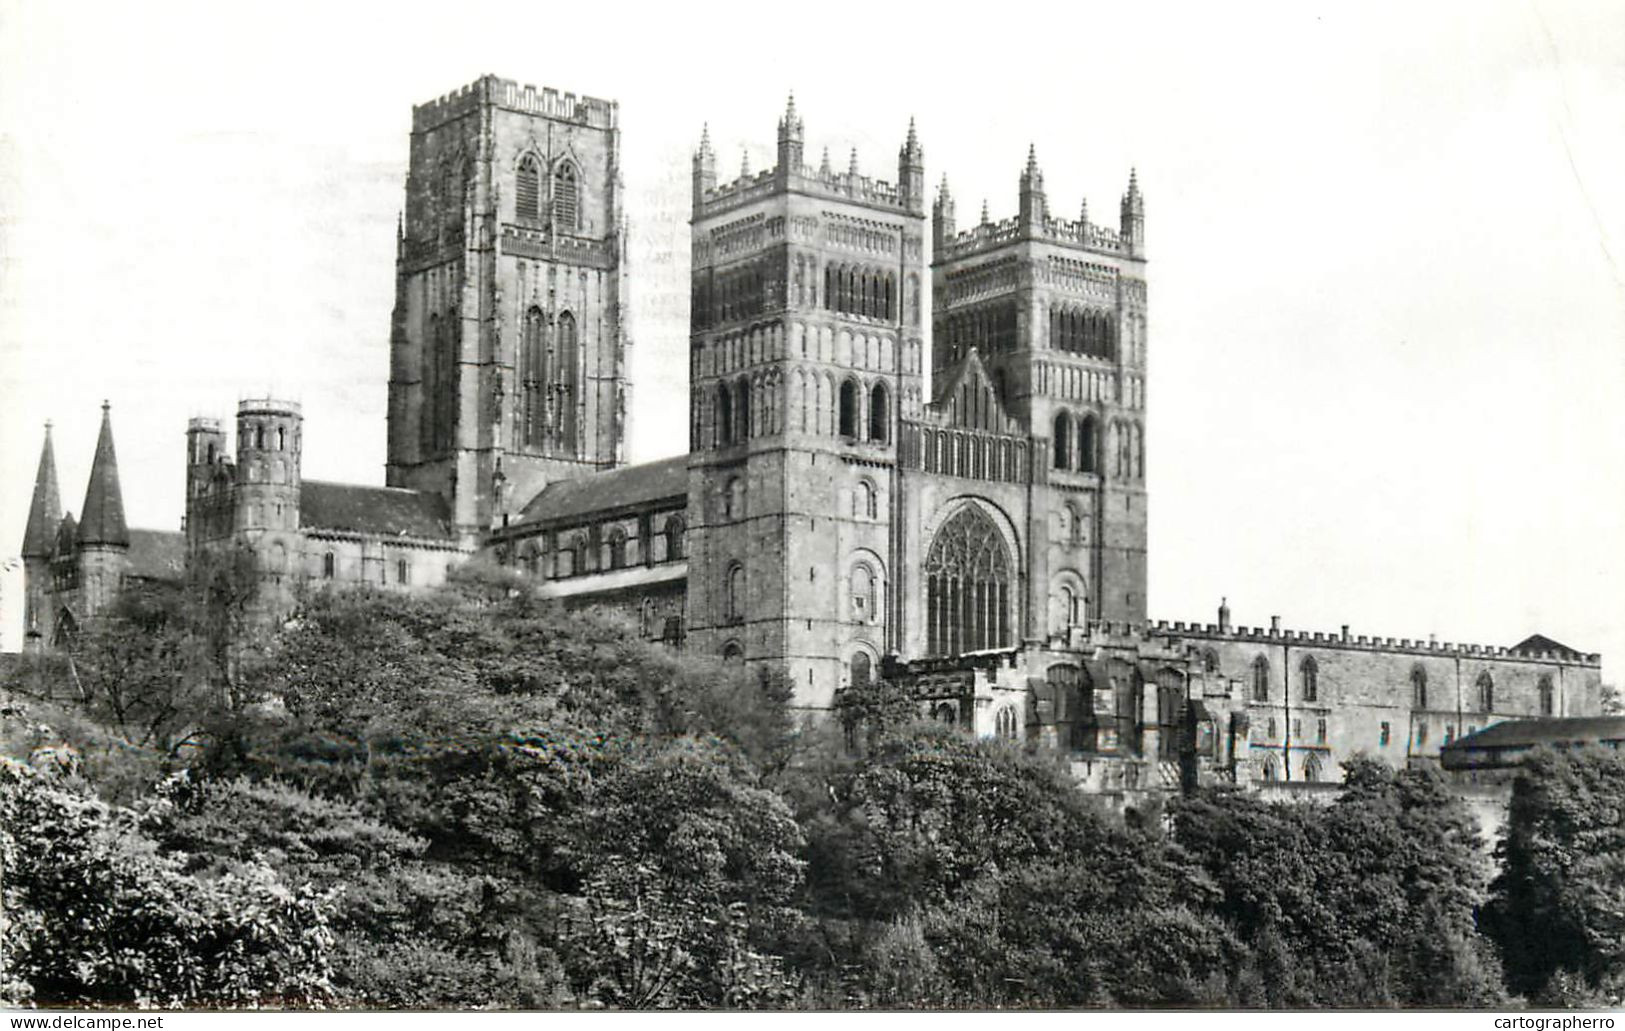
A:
{"x":1419,"y":688}
{"x":674,"y":537}
{"x":566,"y":197}
{"x":1548,"y":698}
{"x":865,"y":600}
{"x":617,"y":548}
{"x":403,"y":572}
{"x":879,"y":414}
{"x":742,"y":408}
{"x":725,"y":415}
{"x":563,"y":389}
{"x":862,"y":669}
{"x":1063,"y":441}
{"x":528,"y":189}
{"x":329,"y":563}
{"x":1261,"y":679}
{"x":533,"y":377}
{"x":1087,"y":446}
{"x":734,"y":593}
{"x":849,"y":409}
{"x":864,"y":503}
{"x":1312,"y":769}
{"x":1486,"y":692}
{"x":1310,"y":672}
{"x":733,"y":501}
{"x":1005,"y":723}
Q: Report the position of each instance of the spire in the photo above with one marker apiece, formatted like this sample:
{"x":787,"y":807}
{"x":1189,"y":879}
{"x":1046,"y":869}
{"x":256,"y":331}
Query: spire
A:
{"x":913,"y":142}
{"x":1032,"y":162}
{"x":1034,"y":208}
{"x":824,"y":170}
{"x":45,"y":512}
{"x":792,"y":141}
{"x":705,"y":137}
{"x":744,"y":163}
{"x":1083,"y":212}
{"x":791,"y":122}
{"x":911,"y":172}
{"x":1131,"y":215}
{"x":102,"y":519}
{"x":984,"y":211}
{"x":943,"y":193}
{"x":852,"y":165}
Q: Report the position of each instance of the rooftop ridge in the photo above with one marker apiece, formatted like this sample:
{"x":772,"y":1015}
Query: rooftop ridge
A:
{"x":1339,"y":639}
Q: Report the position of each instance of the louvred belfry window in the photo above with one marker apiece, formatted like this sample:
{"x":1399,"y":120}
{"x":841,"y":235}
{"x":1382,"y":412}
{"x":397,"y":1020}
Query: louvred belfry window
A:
{"x":967,"y":586}
{"x":566,"y":199}
{"x":528,"y":190}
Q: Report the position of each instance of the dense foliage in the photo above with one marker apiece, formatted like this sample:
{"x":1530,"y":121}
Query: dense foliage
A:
{"x":473,"y":798}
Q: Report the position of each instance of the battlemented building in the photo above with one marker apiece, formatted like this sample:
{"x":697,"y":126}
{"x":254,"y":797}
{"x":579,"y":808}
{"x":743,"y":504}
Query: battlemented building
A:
{"x":958,"y":507}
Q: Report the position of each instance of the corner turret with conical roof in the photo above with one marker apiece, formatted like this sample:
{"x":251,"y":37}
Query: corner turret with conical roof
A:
{"x":39,"y":544}
{"x":103,"y":537}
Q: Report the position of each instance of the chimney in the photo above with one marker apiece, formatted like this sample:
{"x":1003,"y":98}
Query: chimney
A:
{"x":1275,"y":624}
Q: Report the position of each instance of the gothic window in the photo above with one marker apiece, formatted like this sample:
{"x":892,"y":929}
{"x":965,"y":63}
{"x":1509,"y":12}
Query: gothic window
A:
{"x":725,"y":416}
{"x":742,"y":408}
{"x":1320,"y":731}
{"x":1063,"y":441}
{"x":328,"y":564}
{"x":1067,"y":520}
{"x":1210,"y":661}
{"x":533,"y":376}
{"x":646,"y":617}
{"x":1486,"y":692}
{"x":617,"y":548}
{"x":944,"y":714}
{"x":862,"y":669}
{"x":733,"y":599}
{"x":563,"y":388}
{"x":968,"y":585}
{"x":1087,"y":445}
{"x":1004,"y":725}
{"x":674,"y":537}
{"x":879,"y":423}
{"x":403,"y":572}
{"x":578,"y":554}
{"x":1271,"y":770}
{"x":1310,"y":673}
{"x":1261,"y":679}
{"x":1548,"y":698}
{"x":1069,"y":606}
{"x":281,"y":438}
{"x":1419,"y":688}
{"x":1311,"y":769}
{"x":865,"y":596}
{"x":566,"y":197}
{"x":528,"y":190}
{"x":849,"y":409}
{"x":733,"y":499}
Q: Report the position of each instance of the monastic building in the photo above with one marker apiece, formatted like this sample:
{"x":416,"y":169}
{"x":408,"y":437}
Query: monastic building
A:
{"x":958,"y":507}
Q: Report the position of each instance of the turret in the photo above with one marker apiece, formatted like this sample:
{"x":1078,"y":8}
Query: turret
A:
{"x":1131,"y":224}
{"x":103,"y":537}
{"x":1033,"y":205}
{"x":208,"y":497}
{"x":792,"y":139}
{"x":705,"y":167}
{"x":268,"y":452}
{"x":911,"y":171}
{"x":39,"y":542}
{"x":942,"y":216}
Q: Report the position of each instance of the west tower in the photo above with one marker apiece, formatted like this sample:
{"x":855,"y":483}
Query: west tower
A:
{"x":1055,"y":310}
{"x":507,"y":345}
{"x":805,"y":351}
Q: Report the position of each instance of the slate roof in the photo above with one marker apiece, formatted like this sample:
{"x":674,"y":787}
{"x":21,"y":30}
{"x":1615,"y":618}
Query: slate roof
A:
{"x":157,"y":554}
{"x":45,"y":510}
{"x":617,"y":488}
{"x":101,"y":521}
{"x":1542,"y":731}
{"x":1538,"y":643}
{"x":386,"y":511}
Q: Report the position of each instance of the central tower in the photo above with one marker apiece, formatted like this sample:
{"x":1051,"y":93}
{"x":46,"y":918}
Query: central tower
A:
{"x":805,"y":343}
{"x":508,"y":344}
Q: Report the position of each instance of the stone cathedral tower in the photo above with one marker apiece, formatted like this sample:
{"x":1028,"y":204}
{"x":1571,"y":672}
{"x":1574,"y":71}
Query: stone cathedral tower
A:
{"x":805,"y":338}
{"x":507,"y":349}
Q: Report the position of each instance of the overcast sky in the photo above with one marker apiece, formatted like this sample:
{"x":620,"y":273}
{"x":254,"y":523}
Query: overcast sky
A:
{"x":1387,"y":251}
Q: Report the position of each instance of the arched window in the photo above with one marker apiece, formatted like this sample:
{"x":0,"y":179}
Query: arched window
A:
{"x":1087,"y":445}
{"x":1210,"y":661}
{"x":528,"y":189}
{"x":533,"y":377}
{"x":733,"y":499}
{"x":865,"y":504}
{"x":731,"y":652}
{"x":725,"y":415}
{"x":968,"y":577}
{"x":563,"y":387}
{"x":566,"y":206}
{"x":849,"y":409}
{"x":1004,"y":724}
{"x":879,"y":414}
{"x":403,"y":571}
{"x":862,"y":669}
{"x":1063,"y":441}
{"x":1419,"y":687}
{"x":733,"y":599}
{"x":617,"y":548}
{"x":865,"y":596}
{"x":646,"y":618}
{"x":944,"y":714}
{"x":1548,"y":698}
{"x":329,"y":562}
{"x":1066,"y":523}
{"x":281,"y":439}
{"x":1309,"y":670}
{"x":742,"y":408}
{"x":1261,"y":679}
{"x":578,"y":554}
{"x":674,"y":537}
{"x":1486,"y":692}
{"x":1270,"y":770}
{"x":1069,"y":607}
{"x":1311,"y":769}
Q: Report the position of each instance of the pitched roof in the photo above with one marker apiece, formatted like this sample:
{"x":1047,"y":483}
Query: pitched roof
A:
{"x":1544,"y":730}
{"x":101,"y":521}
{"x":1540,"y":643}
{"x":45,"y":511}
{"x":616,"y":488}
{"x":157,"y":555}
{"x":388,"y":511}
{"x":979,"y":406}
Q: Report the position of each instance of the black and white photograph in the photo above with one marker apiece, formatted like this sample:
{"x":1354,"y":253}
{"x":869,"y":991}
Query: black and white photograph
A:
{"x":812,"y":508}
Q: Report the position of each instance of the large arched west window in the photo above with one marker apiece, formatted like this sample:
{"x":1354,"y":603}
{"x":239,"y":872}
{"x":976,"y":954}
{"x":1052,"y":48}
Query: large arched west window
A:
{"x":528,"y":189}
{"x":968,"y":585}
{"x":879,"y":414}
{"x":848,"y":415}
{"x":566,"y":197}
{"x":1063,"y":441}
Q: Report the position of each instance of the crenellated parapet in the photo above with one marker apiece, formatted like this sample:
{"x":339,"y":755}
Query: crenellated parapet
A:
{"x":990,"y":236}
{"x":817,"y":182}
{"x":526,"y":99}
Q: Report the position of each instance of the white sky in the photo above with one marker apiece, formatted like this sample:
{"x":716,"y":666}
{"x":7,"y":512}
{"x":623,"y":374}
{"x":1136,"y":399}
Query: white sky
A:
{"x":1387,"y":245}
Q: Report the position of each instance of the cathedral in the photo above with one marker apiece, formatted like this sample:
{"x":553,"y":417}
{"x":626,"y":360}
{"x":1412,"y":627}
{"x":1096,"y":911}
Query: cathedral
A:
{"x":957,"y":507}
